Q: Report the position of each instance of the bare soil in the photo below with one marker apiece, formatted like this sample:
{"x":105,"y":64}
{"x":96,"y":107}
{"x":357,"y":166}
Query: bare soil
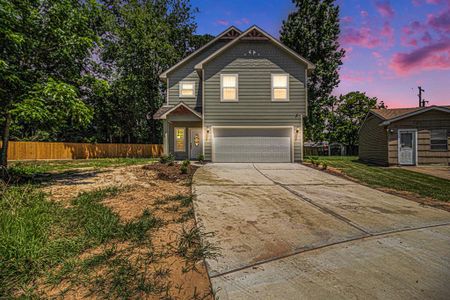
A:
{"x":149,"y":187}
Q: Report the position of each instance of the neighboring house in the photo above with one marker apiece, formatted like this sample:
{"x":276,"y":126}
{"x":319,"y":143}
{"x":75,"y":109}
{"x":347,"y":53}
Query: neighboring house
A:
{"x":406,"y":136}
{"x":239,"y":98}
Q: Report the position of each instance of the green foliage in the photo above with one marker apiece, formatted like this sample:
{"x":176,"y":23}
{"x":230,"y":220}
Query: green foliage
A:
{"x":37,"y":234}
{"x":349,"y":111}
{"x":167,"y":159}
{"x":184,"y":169}
{"x":186,"y":162}
{"x":143,"y":39}
{"x":201,"y":158}
{"x":312,"y":30}
{"x":45,"y":50}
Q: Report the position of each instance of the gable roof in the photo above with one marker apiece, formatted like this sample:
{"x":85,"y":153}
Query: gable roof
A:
{"x":225,"y":34}
{"x":395,"y":114}
{"x":251,"y":31}
{"x":165,"y":110}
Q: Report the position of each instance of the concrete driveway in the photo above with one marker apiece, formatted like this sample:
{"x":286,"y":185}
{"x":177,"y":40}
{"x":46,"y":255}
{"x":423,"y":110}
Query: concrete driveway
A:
{"x":291,"y":232}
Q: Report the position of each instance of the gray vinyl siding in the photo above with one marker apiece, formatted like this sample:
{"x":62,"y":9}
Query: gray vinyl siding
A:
{"x":254,"y":62}
{"x":373,"y":143}
{"x":186,"y":72}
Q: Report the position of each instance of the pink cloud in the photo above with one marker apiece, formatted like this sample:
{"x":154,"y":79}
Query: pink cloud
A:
{"x":433,"y":1}
{"x":440,"y":22}
{"x":388,"y":33}
{"x":347,"y":19}
{"x":385,"y":9}
{"x":355,"y":77}
{"x":363,"y":37}
{"x":432,"y":57}
{"x":426,"y":38}
{"x":364,"y":13}
{"x":376,"y":54}
{"x":222,"y":22}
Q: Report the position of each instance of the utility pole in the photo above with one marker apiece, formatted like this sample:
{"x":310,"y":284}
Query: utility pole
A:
{"x":422,"y":102}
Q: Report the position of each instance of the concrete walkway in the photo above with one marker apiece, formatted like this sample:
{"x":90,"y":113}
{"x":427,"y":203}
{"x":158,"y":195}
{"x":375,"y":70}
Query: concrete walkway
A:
{"x":291,"y":232}
{"x":438,"y":171}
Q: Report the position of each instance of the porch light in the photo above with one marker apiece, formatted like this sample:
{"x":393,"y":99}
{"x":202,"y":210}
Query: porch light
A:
{"x":207,"y":130}
{"x":297,"y":130}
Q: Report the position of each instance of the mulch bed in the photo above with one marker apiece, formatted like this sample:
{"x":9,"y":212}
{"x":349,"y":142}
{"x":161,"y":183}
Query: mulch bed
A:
{"x":170,"y":172}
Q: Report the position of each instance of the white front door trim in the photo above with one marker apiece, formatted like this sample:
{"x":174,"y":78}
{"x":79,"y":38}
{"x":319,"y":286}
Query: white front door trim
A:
{"x":415,"y":155}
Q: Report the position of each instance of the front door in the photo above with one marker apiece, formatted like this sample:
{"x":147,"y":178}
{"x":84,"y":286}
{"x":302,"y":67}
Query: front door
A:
{"x":195,"y":143}
{"x":407,"y":147}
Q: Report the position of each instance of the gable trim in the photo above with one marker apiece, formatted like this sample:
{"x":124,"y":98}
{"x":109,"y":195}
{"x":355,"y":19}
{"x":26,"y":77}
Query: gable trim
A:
{"x":414,"y":113}
{"x":309,"y":64}
{"x":164,"y":116}
{"x":163,"y":75}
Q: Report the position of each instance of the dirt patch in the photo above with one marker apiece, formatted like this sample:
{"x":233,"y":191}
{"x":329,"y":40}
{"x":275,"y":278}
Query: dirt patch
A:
{"x":404,"y":194}
{"x":156,"y":269}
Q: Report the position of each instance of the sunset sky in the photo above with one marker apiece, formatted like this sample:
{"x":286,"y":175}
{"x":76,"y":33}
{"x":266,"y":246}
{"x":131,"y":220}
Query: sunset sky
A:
{"x":392,"y":46}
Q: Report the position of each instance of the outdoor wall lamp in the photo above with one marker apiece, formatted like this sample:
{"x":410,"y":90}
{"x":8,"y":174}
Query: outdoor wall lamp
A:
{"x":207,"y":130}
{"x":297,"y":130}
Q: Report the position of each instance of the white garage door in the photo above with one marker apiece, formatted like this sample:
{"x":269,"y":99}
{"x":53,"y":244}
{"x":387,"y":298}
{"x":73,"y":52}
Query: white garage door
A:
{"x":252,"y":145}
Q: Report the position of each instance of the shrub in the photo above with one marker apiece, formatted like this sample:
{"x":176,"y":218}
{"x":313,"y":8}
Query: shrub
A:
{"x":167,"y":159}
{"x":201,"y":158}
{"x":183,"y":169}
{"x":324,"y":165}
{"x":186,"y":162}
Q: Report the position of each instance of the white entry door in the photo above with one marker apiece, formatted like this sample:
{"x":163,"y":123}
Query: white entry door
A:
{"x":195,"y":143}
{"x":407,"y":147}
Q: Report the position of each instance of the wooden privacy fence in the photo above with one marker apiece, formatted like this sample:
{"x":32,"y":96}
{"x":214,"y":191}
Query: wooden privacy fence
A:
{"x":58,"y":150}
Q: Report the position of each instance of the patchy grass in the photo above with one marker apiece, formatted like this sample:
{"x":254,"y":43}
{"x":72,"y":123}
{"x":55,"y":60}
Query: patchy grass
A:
{"x":32,"y":168}
{"x":138,"y":241}
{"x":390,"y":178}
{"x":37,"y":235}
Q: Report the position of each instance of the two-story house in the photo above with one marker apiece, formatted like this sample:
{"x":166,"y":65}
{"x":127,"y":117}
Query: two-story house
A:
{"x":241,"y":97}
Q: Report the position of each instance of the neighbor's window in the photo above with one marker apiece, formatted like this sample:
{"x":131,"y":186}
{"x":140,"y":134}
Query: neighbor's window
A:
{"x":438,"y":139}
{"x":187,"y":89}
{"x":229,"y":87}
{"x":280,"y":87}
{"x":180,"y":140}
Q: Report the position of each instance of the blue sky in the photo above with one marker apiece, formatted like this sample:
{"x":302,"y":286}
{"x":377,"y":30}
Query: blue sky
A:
{"x":392,"y":46}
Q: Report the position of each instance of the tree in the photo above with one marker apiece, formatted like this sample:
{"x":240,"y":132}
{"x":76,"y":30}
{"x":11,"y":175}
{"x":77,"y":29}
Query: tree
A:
{"x":143,"y":39}
{"x":44,"y":46}
{"x":313,"y":31}
{"x":347,"y":115}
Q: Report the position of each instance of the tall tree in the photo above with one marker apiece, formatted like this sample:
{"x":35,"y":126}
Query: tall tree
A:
{"x":144,"y":38}
{"x":312,"y":30}
{"x":44,"y":45}
{"x":347,"y":115}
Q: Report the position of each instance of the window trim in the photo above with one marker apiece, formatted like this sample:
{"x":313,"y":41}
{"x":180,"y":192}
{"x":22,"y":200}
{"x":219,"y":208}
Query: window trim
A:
{"x":180,"y":84}
{"x":175,"y":139}
{"x":446,"y":139}
{"x":237,"y":87}
{"x":272,"y":87}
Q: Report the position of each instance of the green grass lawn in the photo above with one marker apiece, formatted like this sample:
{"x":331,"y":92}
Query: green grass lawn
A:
{"x":392,"y":178}
{"x":30,"y":168}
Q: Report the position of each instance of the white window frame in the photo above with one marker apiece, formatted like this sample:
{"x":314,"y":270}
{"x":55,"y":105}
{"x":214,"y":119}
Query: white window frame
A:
{"x":175,"y":139}
{"x":272,"y":87}
{"x":221,"y":87}
{"x":180,"y":88}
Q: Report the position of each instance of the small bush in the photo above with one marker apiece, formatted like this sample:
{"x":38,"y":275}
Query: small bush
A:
{"x":324,"y":165}
{"x":184,"y":169}
{"x":186,"y":162}
{"x":167,"y":159}
{"x":201,"y":158}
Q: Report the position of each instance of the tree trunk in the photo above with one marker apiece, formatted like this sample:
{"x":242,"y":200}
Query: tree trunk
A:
{"x":5,"y":141}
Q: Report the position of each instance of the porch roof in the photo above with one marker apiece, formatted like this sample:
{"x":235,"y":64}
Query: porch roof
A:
{"x":181,"y":107}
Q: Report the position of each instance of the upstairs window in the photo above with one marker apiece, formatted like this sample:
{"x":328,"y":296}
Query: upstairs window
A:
{"x":438,"y":139}
{"x":228,"y":87}
{"x":187,"y":89}
{"x":280,"y":87}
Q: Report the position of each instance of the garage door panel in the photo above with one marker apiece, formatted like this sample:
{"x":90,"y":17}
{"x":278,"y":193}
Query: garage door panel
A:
{"x":259,"y":145}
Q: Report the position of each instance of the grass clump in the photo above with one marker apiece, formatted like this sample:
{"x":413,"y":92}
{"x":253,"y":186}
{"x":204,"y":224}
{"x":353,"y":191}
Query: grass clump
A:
{"x":37,"y":235}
